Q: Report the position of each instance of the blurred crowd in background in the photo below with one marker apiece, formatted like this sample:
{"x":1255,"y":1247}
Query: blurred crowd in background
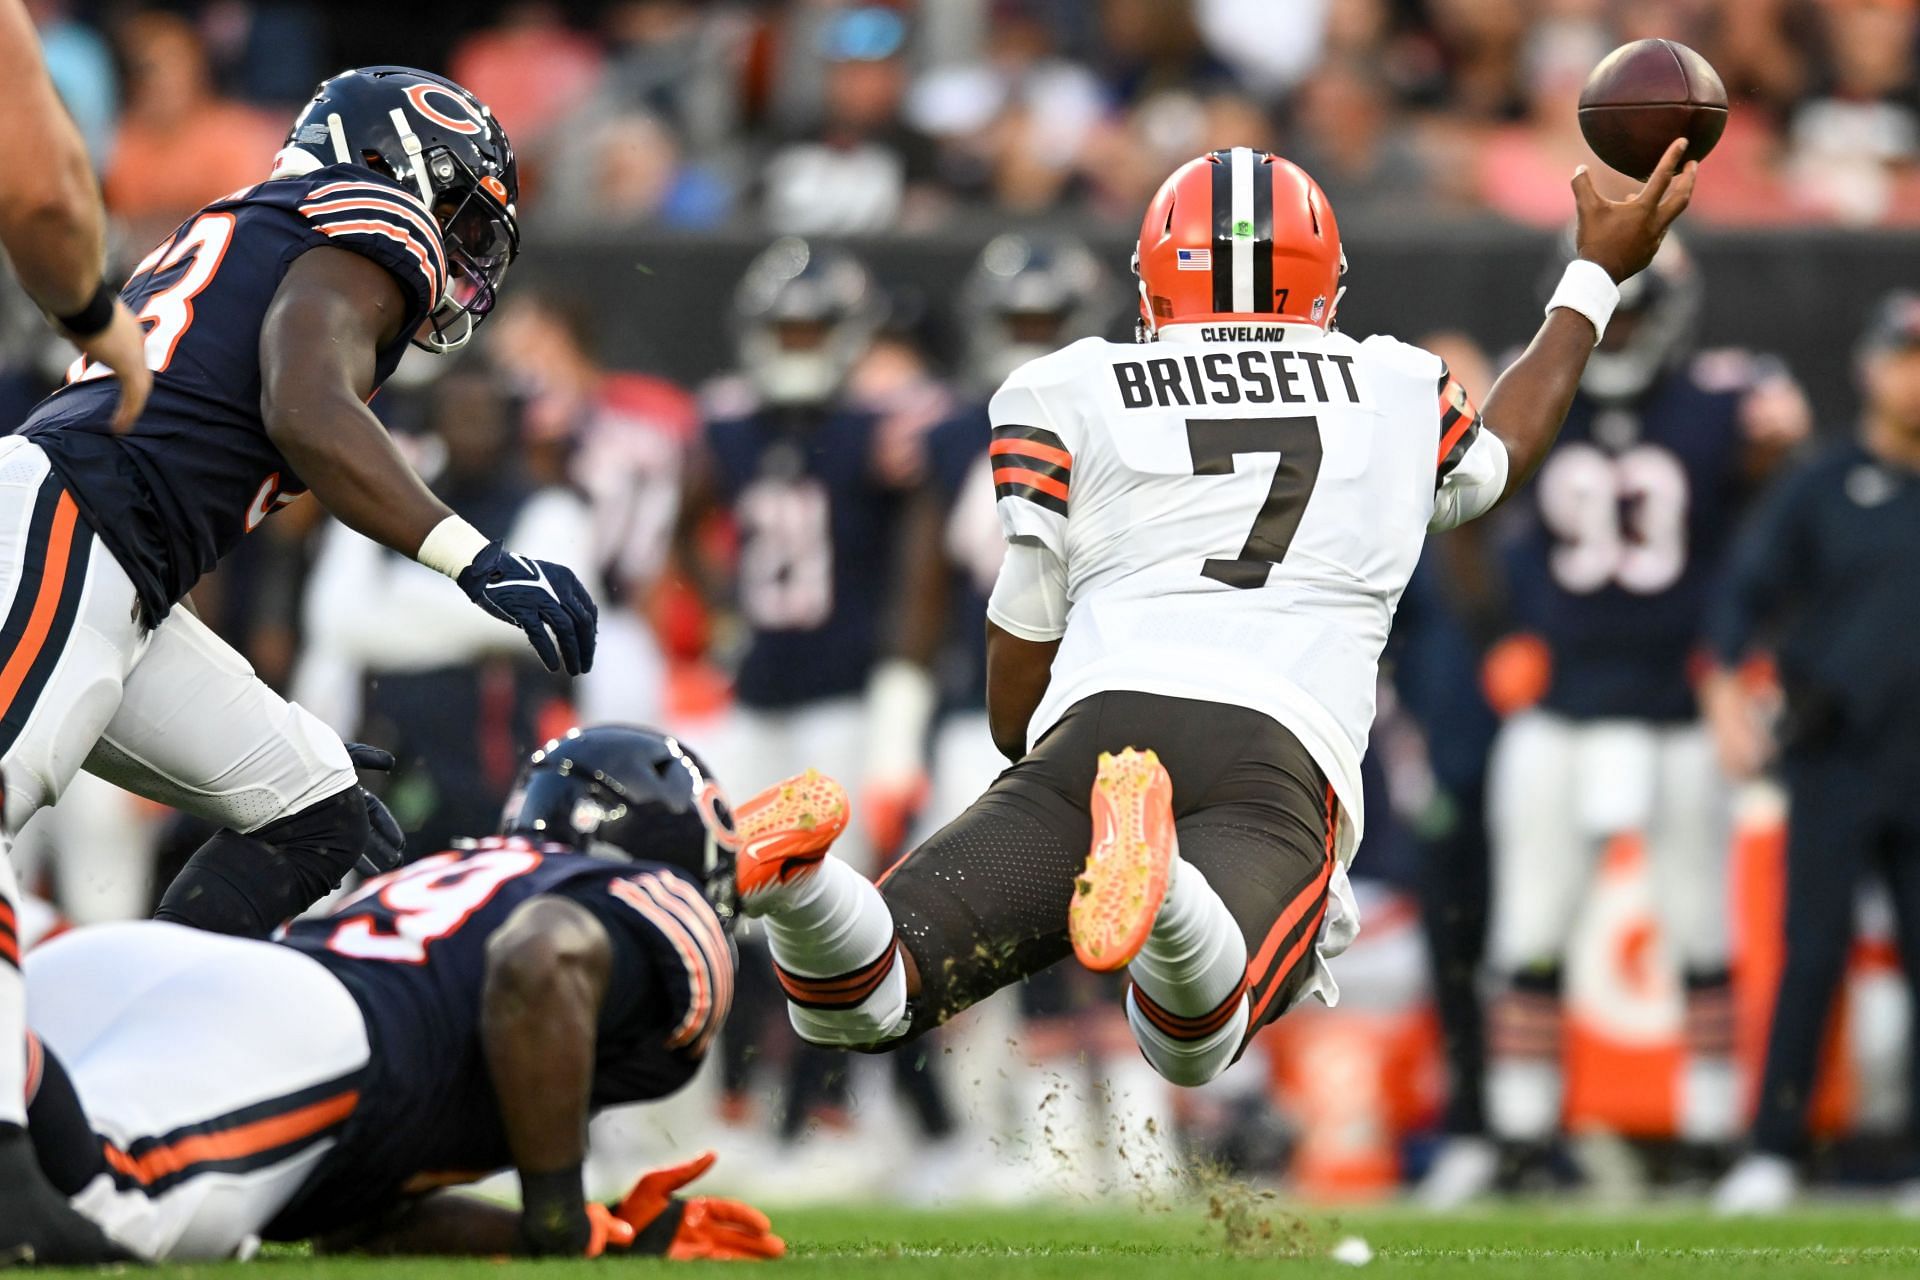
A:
{"x":870,"y":536}
{"x":827,"y":117}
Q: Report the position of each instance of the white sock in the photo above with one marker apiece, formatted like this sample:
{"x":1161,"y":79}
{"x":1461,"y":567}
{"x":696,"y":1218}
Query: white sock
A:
{"x":1194,"y":958}
{"x":1710,"y":1096}
{"x":1523,"y":1098}
{"x":1188,"y":1006}
{"x":833,"y":943}
{"x":13,"y":1002}
{"x":1189,"y":1060}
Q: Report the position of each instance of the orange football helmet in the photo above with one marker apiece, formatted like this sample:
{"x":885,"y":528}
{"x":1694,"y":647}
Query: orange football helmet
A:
{"x":1238,"y":235}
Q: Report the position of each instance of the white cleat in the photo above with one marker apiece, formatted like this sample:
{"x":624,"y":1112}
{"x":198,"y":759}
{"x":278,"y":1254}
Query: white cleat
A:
{"x":1759,"y":1184}
{"x":1463,"y":1172}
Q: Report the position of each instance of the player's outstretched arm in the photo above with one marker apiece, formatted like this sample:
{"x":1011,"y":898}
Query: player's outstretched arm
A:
{"x":51,"y":220}
{"x":333,"y":314}
{"x":548,"y":968}
{"x":1618,"y":237}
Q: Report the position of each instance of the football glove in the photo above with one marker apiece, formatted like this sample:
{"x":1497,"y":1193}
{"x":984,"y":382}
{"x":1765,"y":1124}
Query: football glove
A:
{"x":540,"y":598}
{"x":386,"y":846}
{"x":667,"y":1225}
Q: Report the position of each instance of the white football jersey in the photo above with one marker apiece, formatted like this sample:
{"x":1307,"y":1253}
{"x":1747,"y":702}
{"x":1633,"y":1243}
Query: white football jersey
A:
{"x":1238,"y":508}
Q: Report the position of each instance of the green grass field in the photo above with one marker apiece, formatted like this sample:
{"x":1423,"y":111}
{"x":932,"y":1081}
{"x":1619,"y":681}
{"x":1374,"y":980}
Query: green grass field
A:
{"x":1245,"y":1238}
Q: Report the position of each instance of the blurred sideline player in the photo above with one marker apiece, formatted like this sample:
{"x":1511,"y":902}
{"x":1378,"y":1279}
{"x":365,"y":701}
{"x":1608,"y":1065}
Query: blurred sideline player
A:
{"x":815,"y":488}
{"x":1028,"y":294}
{"x":1207,"y":538}
{"x":195,"y":1093}
{"x":1824,"y":579}
{"x":1609,"y":575}
{"x":632,"y":431}
{"x":273,"y":315}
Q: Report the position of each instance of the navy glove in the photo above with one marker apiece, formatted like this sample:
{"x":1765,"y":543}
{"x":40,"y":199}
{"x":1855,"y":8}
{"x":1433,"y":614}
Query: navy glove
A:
{"x":386,"y":846}
{"x":537,"y":596}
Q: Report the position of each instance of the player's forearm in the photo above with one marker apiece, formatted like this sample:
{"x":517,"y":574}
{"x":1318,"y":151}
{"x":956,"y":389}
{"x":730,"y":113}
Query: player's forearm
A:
{"x":547,"y":972}
{"x":57,"y":242}
{"x":347,"y":459}
{"x":444,"y":1224}
{"x":1018,"y":672}
{"x":1530,"y":400}
{"x":538,"y":1026}
{"x":51,"y":221}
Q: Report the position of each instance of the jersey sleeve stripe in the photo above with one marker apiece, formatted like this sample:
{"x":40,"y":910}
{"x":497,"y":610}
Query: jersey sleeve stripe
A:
{"x":1008,"y":477}
{"x":699,"y":977}
{"x":1030,"y":494}
{"x":1459,"y":423}
{"x":1019,"y":431}
{"x":322,"y":215}
{"x":699,"y":913}
{"x":363,"y":205}
{"x":1051,"y":470}
{"x":1032,"y":449}
{"x":366,"y":193}
{"x":337,"y":229}
{"x":370,"y":188}
{"x":690,"y":927}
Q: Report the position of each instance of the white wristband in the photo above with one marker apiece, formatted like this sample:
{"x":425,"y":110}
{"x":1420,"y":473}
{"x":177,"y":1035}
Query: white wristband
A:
{"x":1588,"y":289}
{"x":451,"y":547}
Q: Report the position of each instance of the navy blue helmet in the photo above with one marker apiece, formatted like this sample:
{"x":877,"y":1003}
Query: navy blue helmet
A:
{"x":625,"y":792}
{"x":434,"y":138}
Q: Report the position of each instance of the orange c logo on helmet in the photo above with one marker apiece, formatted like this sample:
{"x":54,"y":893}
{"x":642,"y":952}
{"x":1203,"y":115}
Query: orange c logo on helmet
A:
{"x":716,"y":815}
{"x":420,"y":95}
{"x":495,"y":188}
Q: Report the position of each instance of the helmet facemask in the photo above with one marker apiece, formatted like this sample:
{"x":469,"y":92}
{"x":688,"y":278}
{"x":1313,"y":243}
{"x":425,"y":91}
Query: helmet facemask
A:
{"x":482,"y":239}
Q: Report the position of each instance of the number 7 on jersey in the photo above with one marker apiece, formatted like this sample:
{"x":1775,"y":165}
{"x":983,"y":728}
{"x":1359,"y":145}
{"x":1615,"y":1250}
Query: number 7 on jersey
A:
{"x":1215,"y":443}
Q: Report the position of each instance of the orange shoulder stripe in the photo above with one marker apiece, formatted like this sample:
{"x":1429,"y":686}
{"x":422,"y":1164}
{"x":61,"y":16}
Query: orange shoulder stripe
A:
{"x":1031,"y":449}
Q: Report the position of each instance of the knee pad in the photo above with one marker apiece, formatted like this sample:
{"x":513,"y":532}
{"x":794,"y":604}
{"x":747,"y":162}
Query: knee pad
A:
{"x":247,"y":885}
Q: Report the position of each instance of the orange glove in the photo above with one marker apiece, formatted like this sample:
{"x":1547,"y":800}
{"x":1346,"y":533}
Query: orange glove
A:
{"x":660,"y":1222}
{"x":609,"y":1231}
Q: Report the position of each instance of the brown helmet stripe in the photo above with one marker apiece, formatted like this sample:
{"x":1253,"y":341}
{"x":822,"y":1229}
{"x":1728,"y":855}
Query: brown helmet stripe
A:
{"x":1223,"y":231}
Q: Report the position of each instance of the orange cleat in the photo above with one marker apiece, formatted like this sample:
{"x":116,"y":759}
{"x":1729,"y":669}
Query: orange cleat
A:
{"x":1116,"y":899}
{"x":786,"y":829}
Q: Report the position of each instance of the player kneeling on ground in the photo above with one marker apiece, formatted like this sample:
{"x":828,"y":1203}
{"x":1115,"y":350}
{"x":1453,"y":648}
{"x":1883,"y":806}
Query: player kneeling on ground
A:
{"x":1207,"y":540}
{"x":194,"y":1093}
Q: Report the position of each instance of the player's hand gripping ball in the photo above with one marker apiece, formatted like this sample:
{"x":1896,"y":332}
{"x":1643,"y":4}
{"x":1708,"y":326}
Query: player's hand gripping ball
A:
{"x":1645,"y":94}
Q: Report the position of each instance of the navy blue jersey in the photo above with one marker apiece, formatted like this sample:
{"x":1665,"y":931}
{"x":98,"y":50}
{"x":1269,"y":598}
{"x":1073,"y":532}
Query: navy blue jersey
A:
{"x":817,"y":544}
{"x":1628,"y":525}
{"x":972,"y":546}
{"x":411,"y":947}
{"x":198,"y":472}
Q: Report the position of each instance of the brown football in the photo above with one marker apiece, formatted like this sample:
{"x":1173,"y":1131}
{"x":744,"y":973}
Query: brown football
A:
{"x":1644,"y":95}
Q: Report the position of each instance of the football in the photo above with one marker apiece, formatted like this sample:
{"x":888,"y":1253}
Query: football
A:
{"x":1645,"y":94}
